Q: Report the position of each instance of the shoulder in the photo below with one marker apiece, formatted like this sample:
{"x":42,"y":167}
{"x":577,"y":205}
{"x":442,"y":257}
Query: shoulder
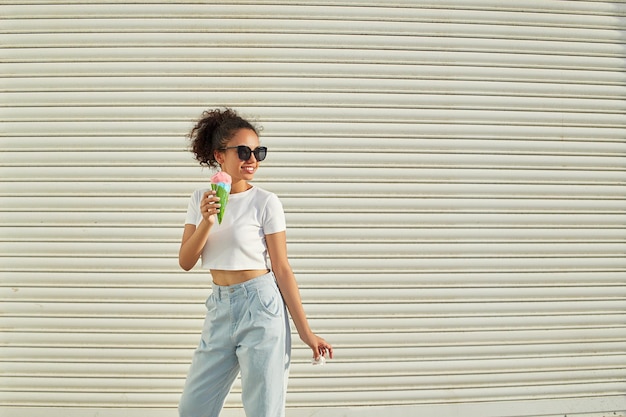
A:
{"x":198,"y":193}
{"x":271,"y":212}
{"x":196,"y":197}
{"x":268,"y":202}
{"x":265,"y":195}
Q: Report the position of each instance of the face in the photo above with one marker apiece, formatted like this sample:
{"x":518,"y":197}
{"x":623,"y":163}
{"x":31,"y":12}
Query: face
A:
{"x":229,"y":159}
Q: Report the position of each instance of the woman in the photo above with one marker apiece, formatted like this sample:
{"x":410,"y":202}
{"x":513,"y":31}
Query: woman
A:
{"x":246,"y":327}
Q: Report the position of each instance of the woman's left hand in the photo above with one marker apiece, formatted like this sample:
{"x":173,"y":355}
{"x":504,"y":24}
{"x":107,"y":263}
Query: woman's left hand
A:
{"x":319,"y":346}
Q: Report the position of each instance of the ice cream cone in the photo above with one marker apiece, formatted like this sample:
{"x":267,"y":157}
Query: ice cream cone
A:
{"x":221,"y":183}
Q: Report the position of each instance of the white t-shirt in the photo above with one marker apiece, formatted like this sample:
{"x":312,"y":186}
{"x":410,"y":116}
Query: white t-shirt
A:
{"x":238,"y":243}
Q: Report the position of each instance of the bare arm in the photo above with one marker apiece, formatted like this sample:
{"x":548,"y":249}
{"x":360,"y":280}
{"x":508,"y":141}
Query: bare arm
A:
{"x":194,"y":239}
{"x":277,"y":249}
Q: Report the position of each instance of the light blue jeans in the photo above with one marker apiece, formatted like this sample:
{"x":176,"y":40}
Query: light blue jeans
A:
{"x":246,"y":330}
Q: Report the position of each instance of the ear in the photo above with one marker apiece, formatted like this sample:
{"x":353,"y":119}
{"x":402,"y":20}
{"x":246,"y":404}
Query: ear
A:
{"x":219,"y":156}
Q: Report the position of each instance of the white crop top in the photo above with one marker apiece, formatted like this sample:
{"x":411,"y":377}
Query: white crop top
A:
{"x":238,"y":243}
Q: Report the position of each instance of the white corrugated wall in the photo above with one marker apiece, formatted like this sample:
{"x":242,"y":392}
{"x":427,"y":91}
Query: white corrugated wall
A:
{"x":453,"y":175}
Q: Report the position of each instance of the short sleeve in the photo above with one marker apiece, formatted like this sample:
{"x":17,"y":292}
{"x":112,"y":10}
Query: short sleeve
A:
{"x":193,"y":209}
{"x":274,"y":216}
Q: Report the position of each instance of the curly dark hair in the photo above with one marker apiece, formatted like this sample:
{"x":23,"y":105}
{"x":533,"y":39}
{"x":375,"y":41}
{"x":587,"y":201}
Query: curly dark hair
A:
{"x":213,"y":131}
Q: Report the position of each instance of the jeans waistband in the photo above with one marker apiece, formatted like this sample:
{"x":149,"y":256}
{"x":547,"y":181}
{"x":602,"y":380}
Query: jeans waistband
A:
{"x":229,"y":291}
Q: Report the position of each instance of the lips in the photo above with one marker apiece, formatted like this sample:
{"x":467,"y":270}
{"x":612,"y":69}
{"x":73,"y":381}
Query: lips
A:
{"x":248,"y":169}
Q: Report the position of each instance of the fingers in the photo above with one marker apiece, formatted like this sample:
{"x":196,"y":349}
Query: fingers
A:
{"x":330,"y":351}
{"x":323,"y":348}
{"x":209,"y":204}
{"x":210,"y":197}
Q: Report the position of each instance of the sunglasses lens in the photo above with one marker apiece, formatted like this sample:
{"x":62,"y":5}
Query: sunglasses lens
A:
{"x":243,"y":152}
{"x":260,"y":153}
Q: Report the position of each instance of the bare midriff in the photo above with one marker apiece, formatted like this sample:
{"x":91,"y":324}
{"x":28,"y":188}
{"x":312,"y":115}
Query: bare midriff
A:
{"x":224,"y":278}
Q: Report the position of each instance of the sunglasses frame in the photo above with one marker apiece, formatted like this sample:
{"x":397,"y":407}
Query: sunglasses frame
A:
{"x":243,"y":150}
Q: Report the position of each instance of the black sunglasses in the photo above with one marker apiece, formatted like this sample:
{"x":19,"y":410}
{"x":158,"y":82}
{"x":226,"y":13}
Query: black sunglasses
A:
{"x":244,"y":152}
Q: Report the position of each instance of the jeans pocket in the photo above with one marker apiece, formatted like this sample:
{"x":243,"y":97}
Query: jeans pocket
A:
{"x":269,"y":300}
{"x":210,"y":303}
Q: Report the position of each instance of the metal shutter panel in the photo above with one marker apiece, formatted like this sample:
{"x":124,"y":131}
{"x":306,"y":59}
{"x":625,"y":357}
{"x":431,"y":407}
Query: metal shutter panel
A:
{"x":453,"y":176}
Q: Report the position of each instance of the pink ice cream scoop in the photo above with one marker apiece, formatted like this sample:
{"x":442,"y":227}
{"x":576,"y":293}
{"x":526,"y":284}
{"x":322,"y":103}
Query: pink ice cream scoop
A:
{"x":221,"y":183}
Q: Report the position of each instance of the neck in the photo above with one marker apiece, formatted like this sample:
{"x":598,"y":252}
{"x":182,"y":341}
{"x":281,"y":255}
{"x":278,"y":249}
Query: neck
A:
{"x":239,"y":187}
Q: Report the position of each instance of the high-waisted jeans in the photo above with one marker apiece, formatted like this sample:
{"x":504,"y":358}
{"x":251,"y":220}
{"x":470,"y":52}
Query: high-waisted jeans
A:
{"x":246,"y":330}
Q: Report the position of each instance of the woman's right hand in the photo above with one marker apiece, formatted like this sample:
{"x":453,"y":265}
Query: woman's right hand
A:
{"x":210,"y":206}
